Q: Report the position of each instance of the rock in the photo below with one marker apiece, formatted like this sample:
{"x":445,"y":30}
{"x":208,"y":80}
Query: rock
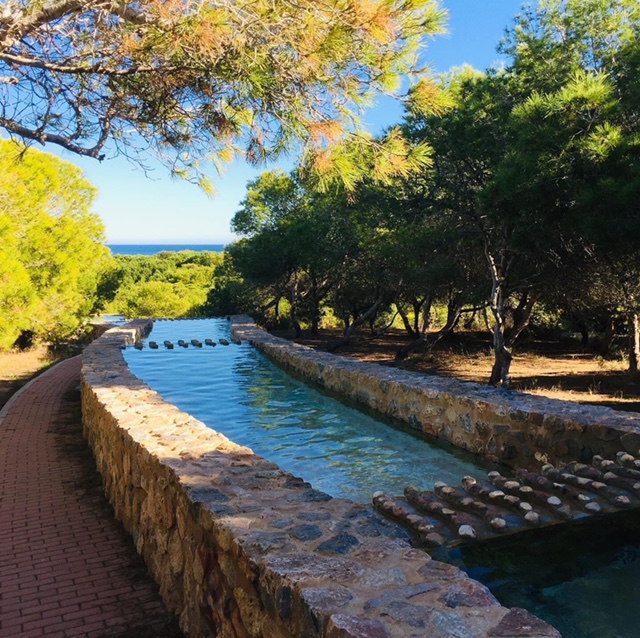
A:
{"x":344,"y":626}
{"x":306,"y":532}
{"x":519,"y":623}
{"x":468,"y":593}
{"x":466,"y":531}
{"x":340,"y":544}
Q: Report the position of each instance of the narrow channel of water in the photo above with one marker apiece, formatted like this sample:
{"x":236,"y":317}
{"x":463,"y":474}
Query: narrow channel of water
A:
{"x":238,"y":392}
{"x":584,"y":580}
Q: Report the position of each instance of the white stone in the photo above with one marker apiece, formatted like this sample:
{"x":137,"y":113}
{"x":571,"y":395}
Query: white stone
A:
{"x":466,"y":531}
{"x":532,"y":517}
{"x":498,"y":523}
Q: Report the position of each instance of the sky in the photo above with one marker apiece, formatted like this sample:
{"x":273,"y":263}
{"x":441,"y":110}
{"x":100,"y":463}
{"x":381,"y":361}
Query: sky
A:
{"x":156,"y":209}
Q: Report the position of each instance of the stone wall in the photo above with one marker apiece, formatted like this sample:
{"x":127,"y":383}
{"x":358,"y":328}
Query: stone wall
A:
{"x":514,"y":428}
{"x":242,"y":549}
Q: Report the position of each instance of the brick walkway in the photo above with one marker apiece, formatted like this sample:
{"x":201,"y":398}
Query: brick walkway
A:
{"x":67,"y":568}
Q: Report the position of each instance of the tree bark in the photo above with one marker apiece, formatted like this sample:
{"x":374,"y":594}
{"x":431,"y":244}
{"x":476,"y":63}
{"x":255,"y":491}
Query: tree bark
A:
{"x":355,"y":324}
{"x":420,"y":329}
{"x":409,"y":329}
{"x":634,"y":341}
{"x":502,"y":356}
{"x":609,"y":333}
{"x":293,"y":306}
{"x":521,"y":317}
{"x":315,"y":307}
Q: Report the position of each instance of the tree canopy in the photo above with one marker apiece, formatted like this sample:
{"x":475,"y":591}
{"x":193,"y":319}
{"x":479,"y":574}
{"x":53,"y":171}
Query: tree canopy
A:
{"x":201,"y":80}
{"x":530,"y":200}
{"x":51,"y":249}
{"x":167,"y":285}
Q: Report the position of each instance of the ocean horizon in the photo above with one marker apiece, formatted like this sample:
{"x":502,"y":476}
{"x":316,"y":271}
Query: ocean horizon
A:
{"x":148,"y":250}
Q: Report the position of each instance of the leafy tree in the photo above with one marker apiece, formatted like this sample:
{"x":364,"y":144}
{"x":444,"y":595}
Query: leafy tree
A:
{"x":291,"y":244}
{"x":203,"y":80}
{"x":153,"y":299}
{"x":51,"y":250}
{"x":573,"y":164}
{"x":469,"y":141}
{"x":167,"y":285}
{"x":528,"y":159}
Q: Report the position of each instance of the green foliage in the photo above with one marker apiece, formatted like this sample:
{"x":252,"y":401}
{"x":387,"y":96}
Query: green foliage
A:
{"x":527,"y":194}
{"x":203,"y":81}
{"x":169,"y":285}
{"x":153,"y":299}
{"x":51,"y":250}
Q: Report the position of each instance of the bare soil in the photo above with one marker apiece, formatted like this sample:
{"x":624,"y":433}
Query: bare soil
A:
{"x":17,"y":367}
{"x":556,"y":369}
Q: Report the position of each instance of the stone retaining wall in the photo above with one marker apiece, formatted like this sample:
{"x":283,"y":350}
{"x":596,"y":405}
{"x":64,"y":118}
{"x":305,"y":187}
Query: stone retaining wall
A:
{"x":242,"y":549}
{"x":514,"y":428}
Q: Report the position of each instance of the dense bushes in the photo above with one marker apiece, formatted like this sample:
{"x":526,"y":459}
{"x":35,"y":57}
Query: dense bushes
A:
{"x":168,"y":285}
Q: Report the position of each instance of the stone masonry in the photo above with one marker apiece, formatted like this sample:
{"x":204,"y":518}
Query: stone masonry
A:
{"x":242,"y":549}
{"x":513,"y":428}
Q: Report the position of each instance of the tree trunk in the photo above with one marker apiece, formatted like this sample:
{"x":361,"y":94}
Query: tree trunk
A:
{"x":423,"y":308}
{"x":421,"y":317}
{"x":521,"y":317}
{"x":292,"y":309}
{"x":315,"y":308}
{"x":634,"y":341}
{"x":502,"y":356}
{"x":584,"y":332}
{"x":421,"y":336}
{"x":501,"y":362}
{"x":609,"y":333}
{"x":355,"y":324}
{"x":410,"y":330}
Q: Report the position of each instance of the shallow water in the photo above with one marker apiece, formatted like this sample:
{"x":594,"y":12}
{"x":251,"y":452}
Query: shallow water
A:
{"x":339,"y":450}
{"x":583,"y":579}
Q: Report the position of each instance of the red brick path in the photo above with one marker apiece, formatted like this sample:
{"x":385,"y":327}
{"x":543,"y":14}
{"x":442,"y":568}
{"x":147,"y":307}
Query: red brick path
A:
{"x":67,"y":568}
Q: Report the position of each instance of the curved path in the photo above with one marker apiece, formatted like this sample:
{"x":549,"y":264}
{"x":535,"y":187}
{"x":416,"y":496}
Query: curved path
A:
{"x":67,"y":567}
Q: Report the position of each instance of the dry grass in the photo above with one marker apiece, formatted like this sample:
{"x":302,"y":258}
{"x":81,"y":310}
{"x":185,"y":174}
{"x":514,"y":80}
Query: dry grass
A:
{"x":560,"y":370}
{"x":17,"y":367}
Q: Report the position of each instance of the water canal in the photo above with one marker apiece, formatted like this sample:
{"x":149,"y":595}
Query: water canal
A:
{"x":584,"y":580}
{"x":340,"y":450}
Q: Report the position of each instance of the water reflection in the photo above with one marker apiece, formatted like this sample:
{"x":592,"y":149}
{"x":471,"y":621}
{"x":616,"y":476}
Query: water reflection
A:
{"x":338,"y":449}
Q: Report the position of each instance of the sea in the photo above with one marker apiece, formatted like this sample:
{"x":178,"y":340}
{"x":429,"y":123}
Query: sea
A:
{"x":154,"y":249}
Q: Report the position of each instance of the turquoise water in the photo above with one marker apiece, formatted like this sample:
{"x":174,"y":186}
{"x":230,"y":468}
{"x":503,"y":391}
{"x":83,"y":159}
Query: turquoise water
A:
{"x":582,"y":579}
{"x":339,"y":450}
{"x":154,"y":249}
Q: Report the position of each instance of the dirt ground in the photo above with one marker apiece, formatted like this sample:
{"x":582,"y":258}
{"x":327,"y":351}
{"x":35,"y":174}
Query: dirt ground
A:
{"x":560,"y":370}
{"x":557,"y":369}
{"x":17,"y":367}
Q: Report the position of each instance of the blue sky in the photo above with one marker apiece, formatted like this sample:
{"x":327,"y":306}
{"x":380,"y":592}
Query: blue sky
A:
{"x":139,"y":209}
